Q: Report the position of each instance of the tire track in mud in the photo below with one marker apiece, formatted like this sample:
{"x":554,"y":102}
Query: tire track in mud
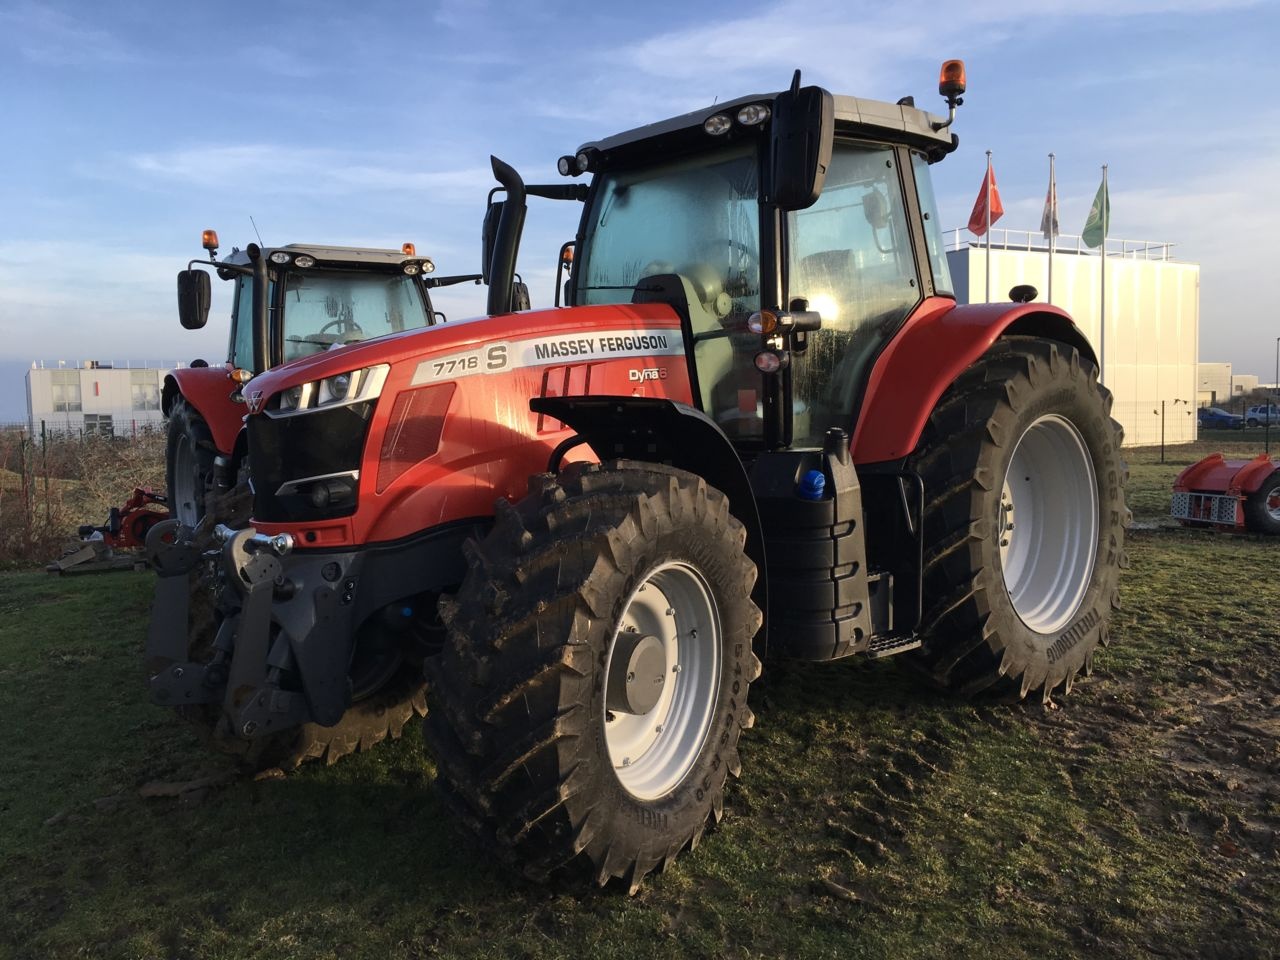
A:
{"x":1209,"y":741}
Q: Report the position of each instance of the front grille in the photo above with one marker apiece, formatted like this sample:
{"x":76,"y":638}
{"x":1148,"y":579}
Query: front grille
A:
{"x":317,"y":444}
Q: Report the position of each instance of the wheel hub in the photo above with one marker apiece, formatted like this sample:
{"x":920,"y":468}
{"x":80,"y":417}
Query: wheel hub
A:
{"x":637,"y":673}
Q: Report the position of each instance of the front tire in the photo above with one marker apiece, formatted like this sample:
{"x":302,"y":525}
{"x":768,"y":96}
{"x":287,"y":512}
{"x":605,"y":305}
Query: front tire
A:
{"x":1024,"y":522}
{"x":189,"y":455}
{"x":588,"y":703}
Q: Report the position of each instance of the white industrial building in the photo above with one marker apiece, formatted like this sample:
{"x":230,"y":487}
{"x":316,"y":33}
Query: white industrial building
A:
{"x":1213,"y":384}
{"x":94,"y":397}
{"x":1150,"y":353}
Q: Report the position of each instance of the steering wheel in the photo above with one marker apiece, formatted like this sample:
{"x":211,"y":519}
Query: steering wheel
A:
{"x":721,"y":279}
{"x":343,"y":325}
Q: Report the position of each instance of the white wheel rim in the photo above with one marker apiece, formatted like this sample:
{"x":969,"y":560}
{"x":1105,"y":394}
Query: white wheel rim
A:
{"x":654,"y":751}
{"x":1048,"y":524}
{"x":183,"y":494}
{"x":1273,"y":503}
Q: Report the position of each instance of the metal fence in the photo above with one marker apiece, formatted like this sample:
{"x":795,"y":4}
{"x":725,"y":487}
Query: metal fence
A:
{"x":121,"y":430}
{"x":53,"y":480}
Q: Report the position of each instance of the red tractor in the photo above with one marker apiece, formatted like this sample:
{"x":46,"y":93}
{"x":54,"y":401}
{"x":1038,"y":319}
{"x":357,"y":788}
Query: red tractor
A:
{"x":316,"y":297}
{"x":760,"y":425}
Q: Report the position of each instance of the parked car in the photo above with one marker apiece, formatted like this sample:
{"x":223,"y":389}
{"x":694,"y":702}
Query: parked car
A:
{"x":1215,"y":418}
{"x":1261,"y":414}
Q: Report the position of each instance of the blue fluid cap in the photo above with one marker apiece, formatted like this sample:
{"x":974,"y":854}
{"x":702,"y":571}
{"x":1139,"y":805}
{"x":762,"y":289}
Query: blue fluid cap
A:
{"x":812,"y":486}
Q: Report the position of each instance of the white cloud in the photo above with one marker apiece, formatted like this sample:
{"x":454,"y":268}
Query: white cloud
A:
{"x":298,"y":170}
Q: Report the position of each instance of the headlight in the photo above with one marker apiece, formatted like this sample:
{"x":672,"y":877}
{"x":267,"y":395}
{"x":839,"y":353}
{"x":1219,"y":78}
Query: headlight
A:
{"x":336,"y":389}
{"x":280,"y":257}
{"x":717,"y":124}
{"x":340,"y":390}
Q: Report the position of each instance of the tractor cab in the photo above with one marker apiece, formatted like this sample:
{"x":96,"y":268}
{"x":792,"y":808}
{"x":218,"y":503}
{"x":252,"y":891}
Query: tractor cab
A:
{"x":317,"y":297}
{"x":795,"y":233}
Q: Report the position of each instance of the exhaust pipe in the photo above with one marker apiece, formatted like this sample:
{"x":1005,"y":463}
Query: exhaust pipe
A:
{"x":506,"y":246}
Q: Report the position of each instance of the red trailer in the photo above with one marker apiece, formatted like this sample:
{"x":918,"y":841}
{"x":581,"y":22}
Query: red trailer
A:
{"x":1229,"y":494}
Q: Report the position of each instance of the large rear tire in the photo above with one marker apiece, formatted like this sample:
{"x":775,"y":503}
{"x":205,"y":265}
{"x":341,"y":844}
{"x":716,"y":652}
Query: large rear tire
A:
{"x":587,"y":705}
{"x":1024,"y":522}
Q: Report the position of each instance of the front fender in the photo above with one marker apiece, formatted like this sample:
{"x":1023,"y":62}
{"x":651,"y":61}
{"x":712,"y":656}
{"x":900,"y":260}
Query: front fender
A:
{"x":208,"y":390}
{"x":666,"y":431}
{"x":937,"y":343}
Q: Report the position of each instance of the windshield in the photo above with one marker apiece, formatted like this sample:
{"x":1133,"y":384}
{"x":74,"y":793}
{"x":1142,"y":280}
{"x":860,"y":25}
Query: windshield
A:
{"x":697,"y":218}
{"x":323,"y":309}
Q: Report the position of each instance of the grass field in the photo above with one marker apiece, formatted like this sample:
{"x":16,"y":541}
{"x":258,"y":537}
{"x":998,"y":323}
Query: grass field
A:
{"x":873,"y":819}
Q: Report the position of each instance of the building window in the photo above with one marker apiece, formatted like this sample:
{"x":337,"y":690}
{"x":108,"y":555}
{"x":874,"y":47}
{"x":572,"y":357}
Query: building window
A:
{"x":66,"y":391}
{"x":146,"y":396}
{"x":99,"y":423}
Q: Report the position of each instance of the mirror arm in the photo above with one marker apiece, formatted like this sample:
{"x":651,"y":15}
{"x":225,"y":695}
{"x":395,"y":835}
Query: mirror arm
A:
{"x":238,"y":268}
{"x":433,"y":282}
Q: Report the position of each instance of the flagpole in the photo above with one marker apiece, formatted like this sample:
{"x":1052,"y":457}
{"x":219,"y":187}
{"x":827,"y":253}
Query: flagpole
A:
{"x":1102,"y":331}
{"x":988,"y":257}
{"x":1053,"y":213}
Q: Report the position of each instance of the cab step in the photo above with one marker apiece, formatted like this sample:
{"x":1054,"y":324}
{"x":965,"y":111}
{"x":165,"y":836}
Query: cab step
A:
{"x":891,"y":646}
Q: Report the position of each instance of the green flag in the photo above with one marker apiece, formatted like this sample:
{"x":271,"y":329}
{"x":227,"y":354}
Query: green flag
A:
{"x":1095,"y":228}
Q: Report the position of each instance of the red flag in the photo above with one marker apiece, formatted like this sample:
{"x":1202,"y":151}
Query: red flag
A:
{"x":978,"y":219}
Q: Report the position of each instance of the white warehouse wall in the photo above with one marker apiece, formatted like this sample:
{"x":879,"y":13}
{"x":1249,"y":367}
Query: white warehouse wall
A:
{"x":104,"y":392}
{"x":1151,"y":349}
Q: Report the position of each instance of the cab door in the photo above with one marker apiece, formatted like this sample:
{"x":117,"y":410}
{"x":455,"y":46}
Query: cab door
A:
{"x":851,"y":256}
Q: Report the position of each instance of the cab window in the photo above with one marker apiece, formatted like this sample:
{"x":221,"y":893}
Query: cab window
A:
{"x":242,"y":325}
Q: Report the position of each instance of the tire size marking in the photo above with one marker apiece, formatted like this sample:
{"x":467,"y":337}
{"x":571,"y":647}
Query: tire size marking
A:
{"x":542,"y":351}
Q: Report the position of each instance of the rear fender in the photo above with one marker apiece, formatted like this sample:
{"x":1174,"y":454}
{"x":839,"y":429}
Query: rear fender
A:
{"x":209,"y":390}
{"x":665,"y":431}
{"x":934,"y":347}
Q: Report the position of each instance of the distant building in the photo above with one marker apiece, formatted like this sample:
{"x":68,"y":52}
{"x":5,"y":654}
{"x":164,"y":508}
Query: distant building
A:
{"x":1153,"y":317}
{"x":1214,"y":384}
{"x":94,"y":398}
{"x":1243,"y":383}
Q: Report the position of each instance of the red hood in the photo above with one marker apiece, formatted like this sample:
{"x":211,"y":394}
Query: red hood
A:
{"x":452,"y":336}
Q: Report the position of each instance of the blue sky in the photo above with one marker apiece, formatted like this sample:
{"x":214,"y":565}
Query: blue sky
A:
{"x":131,"y":126}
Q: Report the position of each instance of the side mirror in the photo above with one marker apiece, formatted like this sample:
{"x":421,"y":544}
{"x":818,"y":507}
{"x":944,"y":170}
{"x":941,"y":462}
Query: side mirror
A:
{"x":801,"y":136}
{"x":875,"y":210}
{"x":489,"y":237}
{"x":520,"y":296}
{"x":193,"y":298}
{"x":1023,"y":293}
